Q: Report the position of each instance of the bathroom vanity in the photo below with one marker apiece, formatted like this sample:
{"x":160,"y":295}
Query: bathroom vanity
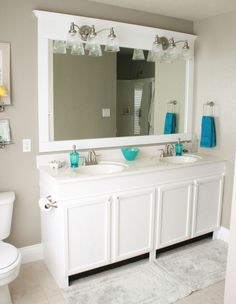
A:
{"x":100,"y":215}
{"x":104,"y":218}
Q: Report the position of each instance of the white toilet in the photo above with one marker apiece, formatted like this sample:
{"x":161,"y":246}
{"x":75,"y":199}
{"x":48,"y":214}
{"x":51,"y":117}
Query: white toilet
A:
{"x":10,"y":258}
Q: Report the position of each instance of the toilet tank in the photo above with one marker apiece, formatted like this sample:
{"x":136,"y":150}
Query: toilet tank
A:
{"x":6,"y":208}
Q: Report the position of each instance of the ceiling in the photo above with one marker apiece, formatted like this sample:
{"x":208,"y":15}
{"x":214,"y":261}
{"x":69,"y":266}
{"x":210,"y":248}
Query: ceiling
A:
{"x":184,"y":9}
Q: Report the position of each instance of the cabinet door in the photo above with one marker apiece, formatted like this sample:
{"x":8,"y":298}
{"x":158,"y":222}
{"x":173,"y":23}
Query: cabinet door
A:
{"x":173,"y":222}
{"x":207,"y":204}
{"x":88,"y":232}
{"x":133,"y":216}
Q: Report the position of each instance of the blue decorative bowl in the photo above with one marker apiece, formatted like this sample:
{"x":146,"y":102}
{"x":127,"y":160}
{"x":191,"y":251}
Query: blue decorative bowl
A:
{"x":130,"y":153}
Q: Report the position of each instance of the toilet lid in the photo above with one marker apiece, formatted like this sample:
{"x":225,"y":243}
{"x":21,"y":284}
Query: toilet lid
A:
{"x":8,"y":255}
{"x":7,"y":197}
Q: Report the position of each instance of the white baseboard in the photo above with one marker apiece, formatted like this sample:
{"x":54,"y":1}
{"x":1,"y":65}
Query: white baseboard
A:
{"x":222,"y":234}
{"x":31,"y":253}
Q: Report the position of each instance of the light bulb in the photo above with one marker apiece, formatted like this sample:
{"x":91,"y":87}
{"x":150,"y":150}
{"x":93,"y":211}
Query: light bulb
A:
{"x":78,"y":48}
{"x":112,"y":44}
{"x":172,"y":53}
{"x":3,"y":91}
{"x":166,"y":57}
{"x":157,"y":46}
{"x":95,"y":50}
{"x":71,"y":36}
{"x":186,"y":52}
{"x":91,"y":42}
{"x":150,"y":57}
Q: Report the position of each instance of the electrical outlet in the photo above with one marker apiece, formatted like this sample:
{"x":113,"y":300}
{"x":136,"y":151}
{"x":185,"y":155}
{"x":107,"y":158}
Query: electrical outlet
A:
{"x":26,"y":145}
{"x":106,"y":112}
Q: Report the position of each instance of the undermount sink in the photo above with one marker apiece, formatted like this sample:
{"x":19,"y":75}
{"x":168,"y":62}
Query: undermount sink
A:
{"x":184,"y":159}
{"x":101,"y":168}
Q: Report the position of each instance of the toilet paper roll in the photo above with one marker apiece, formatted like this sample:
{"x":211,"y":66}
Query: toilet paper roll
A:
{"x":43,"y":205}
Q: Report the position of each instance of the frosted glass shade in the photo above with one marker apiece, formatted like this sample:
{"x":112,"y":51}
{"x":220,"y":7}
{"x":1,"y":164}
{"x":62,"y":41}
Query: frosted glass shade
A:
{"x":59,"y":47}
{"x":138,"y":54}
{"x":112,"y":44}
{"x":78,"y":48}
{"x":95,"y":50}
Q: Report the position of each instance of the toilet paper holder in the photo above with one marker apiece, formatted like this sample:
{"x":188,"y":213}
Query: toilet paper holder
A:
{"x":51,"y":203}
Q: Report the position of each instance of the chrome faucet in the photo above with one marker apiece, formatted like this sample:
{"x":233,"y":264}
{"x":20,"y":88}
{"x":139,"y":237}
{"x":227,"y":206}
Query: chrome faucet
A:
{"x":91,"y":158}
{"x":169,"y":150}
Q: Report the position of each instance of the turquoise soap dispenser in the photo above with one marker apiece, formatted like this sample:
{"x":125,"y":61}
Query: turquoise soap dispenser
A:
{"x":179,"y":148}
{"x":74,"y":158}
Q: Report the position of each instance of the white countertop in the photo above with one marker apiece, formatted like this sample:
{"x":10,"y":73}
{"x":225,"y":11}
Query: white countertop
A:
{"x":142,"y":164}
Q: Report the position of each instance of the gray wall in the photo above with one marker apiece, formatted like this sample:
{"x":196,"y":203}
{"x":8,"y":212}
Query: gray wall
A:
{"x":170,"y":85}
{"x":215,"y":79}
{"x":18,"y":26}
{"x":83,"y":86}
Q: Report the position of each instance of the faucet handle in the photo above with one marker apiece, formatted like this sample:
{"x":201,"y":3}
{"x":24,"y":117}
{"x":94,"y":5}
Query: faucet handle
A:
{"x":92,"y":158}
{"x":169,"y":149}
{"x":161,"y":152}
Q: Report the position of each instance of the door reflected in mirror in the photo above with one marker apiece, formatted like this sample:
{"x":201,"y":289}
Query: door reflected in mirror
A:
{"x":114,"y":95}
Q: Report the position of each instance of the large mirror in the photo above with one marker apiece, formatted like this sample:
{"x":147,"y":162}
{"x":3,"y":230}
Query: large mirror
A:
{"x":115,"y":99}
{"x":117,"y":94}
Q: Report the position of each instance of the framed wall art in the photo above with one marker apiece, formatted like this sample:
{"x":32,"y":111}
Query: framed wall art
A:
{"x":5,"y":96}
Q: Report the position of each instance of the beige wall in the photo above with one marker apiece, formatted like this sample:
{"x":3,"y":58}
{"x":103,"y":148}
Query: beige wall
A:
{"x":215,"y":79}
{"x":170,"y":81}
{"x":18,"y":26}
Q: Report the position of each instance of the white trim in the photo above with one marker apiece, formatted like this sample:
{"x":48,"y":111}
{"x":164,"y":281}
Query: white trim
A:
{"x":54,"y":26}
{"x":31,"y":253}
{"x":222,"y":234}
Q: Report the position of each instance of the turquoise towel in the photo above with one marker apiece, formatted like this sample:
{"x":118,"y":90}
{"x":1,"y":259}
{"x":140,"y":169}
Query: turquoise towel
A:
{"x":170,"y":123}
{"x":208,"y":135}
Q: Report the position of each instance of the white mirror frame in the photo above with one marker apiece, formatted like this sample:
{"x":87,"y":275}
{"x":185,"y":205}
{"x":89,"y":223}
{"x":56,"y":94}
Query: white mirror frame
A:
{"x":54,"y":26}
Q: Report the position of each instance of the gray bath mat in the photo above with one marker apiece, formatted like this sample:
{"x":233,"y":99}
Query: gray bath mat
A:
{"x":198,"y":266}
{"x":139,"y":283}
{"x":175,"y":275}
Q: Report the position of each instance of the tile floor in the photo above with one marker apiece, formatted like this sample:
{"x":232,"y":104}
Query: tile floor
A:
{"x":35,"y":285}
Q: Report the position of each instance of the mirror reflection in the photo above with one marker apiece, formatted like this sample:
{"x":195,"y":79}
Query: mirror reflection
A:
{"x":5,"y":132}
{"x":114,"y":95}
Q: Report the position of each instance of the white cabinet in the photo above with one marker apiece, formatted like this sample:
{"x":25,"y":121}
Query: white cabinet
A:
{"x":133,"y":216}
{"x":207,"y":204}
{"x":173,"y":220}
{"x":100,"y":221}
{"x":88,"y":233}
{"x":90,"y":223}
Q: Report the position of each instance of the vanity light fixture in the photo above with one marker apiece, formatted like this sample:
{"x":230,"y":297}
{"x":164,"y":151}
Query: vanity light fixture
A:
{"x":3,"y":93}
{"x":164,"y":50}
{"x":78,"y":36}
